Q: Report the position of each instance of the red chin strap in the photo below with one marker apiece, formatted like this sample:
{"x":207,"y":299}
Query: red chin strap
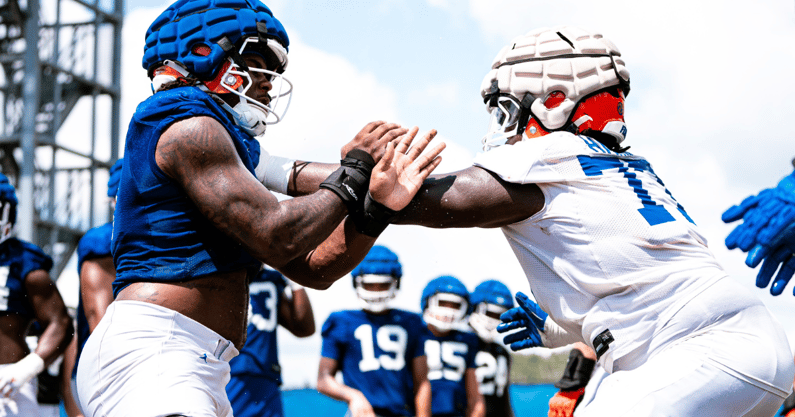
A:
{"x":593,"y":113}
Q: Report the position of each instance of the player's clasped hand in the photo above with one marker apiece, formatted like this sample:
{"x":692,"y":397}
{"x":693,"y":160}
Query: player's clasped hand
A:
{"x":767,"y":233}
{"x":529,"y":318}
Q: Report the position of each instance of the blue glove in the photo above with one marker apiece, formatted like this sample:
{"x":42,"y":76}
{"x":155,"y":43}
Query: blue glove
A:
{"x":767,"y":233}
{"x":529,"y":317}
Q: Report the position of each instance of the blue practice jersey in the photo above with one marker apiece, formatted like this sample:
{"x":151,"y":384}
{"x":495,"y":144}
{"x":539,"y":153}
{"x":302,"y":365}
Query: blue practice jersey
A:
{"x":375,"y":353}
{"x":449,"y":357}
{"x":159,"y":235}
{"x":94,"y":244}
{"x":17,"y":259}
{"x":256,"y":373}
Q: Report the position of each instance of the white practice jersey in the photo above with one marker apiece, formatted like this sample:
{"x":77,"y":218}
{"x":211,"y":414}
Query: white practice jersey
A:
{"x":611,"y":249}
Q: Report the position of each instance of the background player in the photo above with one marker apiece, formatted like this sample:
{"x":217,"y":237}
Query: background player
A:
{"x":378,"y":349}
{"x":607,"y":250}
{"x":451,"y":352}
{"x":767,"y":233}
{"x":256,"y":374}
{"x":193,"y":224}
{"x":27,"y":294}
{"x":489,"y":300}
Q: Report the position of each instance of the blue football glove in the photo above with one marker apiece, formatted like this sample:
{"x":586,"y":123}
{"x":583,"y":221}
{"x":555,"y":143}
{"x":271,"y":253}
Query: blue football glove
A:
{"x":529,"y":317}
{"x":767,"y":233}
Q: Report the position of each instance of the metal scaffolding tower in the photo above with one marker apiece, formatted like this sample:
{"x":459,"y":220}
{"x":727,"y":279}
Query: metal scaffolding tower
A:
{"x":59,"y":123}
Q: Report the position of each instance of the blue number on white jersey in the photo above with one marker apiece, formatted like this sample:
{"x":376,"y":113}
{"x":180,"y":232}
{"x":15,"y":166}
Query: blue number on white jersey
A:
{"x":4,"y":290}
{"x":492,"y":372}
{"x":653,"y":212}
{"x":391,"y":339}
{"x":446,"y":360}
{"x":266,"y":324}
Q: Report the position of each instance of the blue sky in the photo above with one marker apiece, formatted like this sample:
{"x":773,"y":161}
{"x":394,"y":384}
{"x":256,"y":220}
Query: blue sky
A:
{"x":712,"y":83}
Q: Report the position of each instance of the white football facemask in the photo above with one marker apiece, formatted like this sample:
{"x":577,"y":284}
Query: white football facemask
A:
{"x":443,"y":317}
{"x":503,"y":122}
{"x":375,"y":301}
{"x":6,"y":227}
{"x":485,"y":319}
{"x":251,"y":115}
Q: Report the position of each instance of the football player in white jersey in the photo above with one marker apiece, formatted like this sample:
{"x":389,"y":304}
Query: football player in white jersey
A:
{"x":609,"y":253}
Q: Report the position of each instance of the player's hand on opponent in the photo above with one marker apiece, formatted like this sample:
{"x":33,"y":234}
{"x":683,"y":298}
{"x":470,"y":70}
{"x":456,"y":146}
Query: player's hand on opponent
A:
{"x":360,"y":407}
{"x":14,"y":376}
{"x":528,"y":317}
{"x":767,"y":233}
{"x":373,"y":139}
{"x":400,"y":173}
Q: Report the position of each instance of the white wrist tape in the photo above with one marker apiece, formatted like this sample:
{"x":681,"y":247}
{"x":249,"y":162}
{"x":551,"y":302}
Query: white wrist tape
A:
{"x":274,"y":171}
{"x":555,"y":336}
{"x":14,"y":376}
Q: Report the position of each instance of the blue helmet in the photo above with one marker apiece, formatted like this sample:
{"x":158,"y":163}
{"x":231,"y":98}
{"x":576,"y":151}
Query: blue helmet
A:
{"x":380,"y":266}
{"x":490,"y":299}
{"x":492,"y":292}
{"x":444,"y":302}
{"x":8,"y":207}
{"x":206,"y":40}
{"x":202,"y":34}
{"x":114,"y":178}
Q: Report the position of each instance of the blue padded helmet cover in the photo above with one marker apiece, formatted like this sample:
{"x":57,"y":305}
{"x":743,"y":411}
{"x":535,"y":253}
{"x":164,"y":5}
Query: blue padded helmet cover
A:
{"x":492,"y":292}
{"x":379,"y":261}
{"x":187,"y":23}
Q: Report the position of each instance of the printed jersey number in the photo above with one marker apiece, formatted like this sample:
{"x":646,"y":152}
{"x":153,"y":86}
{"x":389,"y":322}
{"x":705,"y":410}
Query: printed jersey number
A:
{"x":264,"y":320}
{"x":653,"y":212}
{"x":4,"y":290}
{"x":492,"y":373}
{"x":446,"y":360}
{"x":390,"y":339}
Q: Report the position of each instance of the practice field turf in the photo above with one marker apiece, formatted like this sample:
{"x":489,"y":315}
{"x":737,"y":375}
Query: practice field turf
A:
{"x":527,"y":400}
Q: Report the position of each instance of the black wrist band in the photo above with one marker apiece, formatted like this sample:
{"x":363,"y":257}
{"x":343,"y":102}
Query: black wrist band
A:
{"x":373,"y":218}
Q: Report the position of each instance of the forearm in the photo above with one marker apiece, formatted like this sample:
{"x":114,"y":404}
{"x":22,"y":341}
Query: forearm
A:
{"x":422,"y":399}
{"x":332,"y":259}
{"x":470,"y":198}
{"x":300,"y":316}
{"x":476,"y":409}
{"x":69,"y":400}
{"x":328,"y":385}
{"x":305,"y":177}
{"x":55,"y":339}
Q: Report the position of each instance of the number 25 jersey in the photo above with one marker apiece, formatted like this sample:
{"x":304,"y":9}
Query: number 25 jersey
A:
{"x":611,"y":248}
{"x":374,"y":352}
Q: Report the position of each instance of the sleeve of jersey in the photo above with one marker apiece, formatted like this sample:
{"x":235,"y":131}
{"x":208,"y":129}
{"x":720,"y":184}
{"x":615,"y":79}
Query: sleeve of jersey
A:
{"x":550,"y":158}
{"x":34,"y":259}
{"x":474,"y":344}
{"x":329,"y":334}
{"x":419,"y":337}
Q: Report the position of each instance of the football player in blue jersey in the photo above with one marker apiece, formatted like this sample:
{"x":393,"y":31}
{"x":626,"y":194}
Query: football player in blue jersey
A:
{"x":194,"y":222}
{"x":256,"y":374}
{"x":96,"y":273}
{"x":489,"y":300}
{"x":450,"y":351}
{"x":27,"y":294}
{"x":377,"y":349}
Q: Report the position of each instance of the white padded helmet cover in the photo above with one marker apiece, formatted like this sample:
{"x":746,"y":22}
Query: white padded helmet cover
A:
{"x":541,"y":62}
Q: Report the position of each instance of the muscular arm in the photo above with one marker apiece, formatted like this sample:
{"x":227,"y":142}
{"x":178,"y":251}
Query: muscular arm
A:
{"x":96,"y":288}
{"x":476,"y":405}
{"x":68,"y":364}
{"x":472,"y":197}
{"x":51,"y":313}
{"x":422,"y":386}
{"x":199,"y":155}
{"x":296,"y":314}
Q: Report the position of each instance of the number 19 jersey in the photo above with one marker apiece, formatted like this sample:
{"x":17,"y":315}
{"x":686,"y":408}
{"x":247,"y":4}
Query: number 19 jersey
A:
{"x":611,"y":249}
{"x":375,"y":352}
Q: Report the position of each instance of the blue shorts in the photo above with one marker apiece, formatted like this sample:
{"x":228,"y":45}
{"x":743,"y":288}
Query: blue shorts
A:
{"x":254,"y":396}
